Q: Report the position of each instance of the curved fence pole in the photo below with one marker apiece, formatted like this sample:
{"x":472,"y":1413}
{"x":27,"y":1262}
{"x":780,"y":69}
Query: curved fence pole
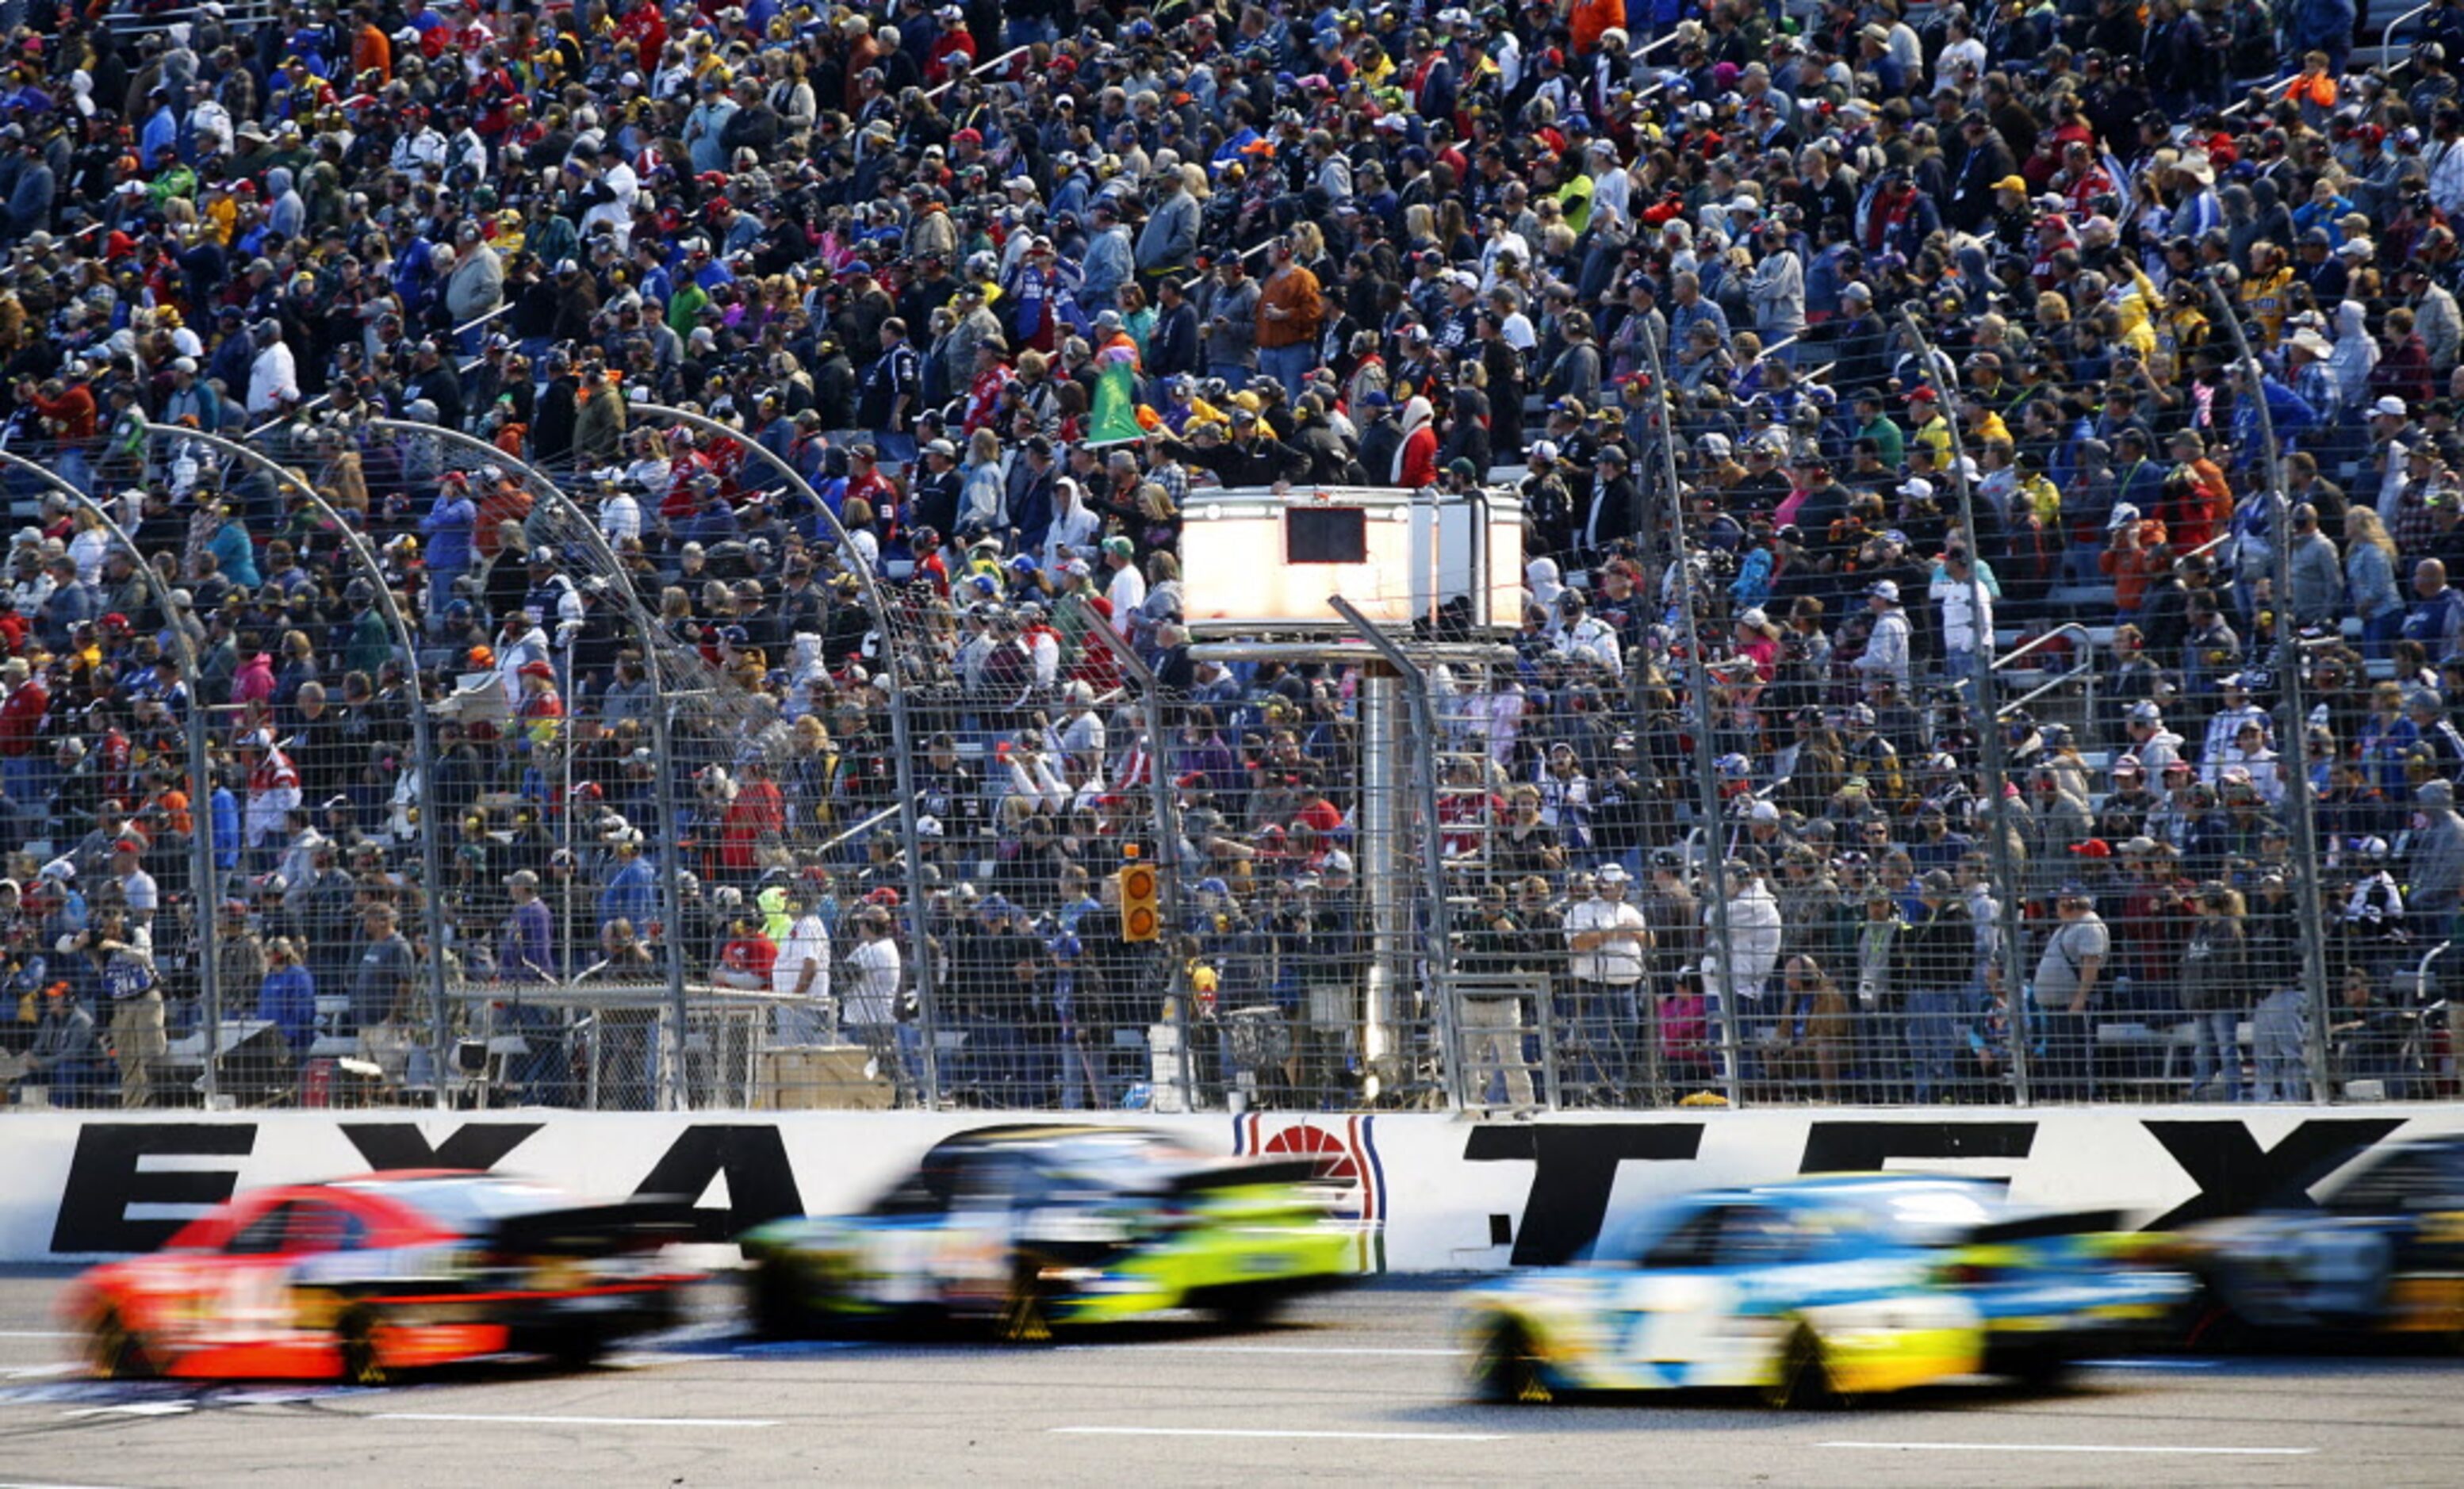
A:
{"x":1997,"y":770}
{"x":2288,"y":682}
{"x":204,"y":892}
{"x":423,"y":745}
{"x":1698,"y":679}
{"x":901,"y":728}
{"x":672,"y":1085}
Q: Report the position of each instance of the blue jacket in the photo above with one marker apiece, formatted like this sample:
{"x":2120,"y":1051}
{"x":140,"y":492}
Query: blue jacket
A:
{"x":631,"y":894}
{"x":287,"y":999}
{"x":449,"y":526}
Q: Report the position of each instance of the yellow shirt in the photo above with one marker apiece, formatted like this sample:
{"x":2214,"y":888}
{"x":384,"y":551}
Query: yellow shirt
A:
{"x":2263,"y":300}
{"x":1935,"y":435}
{"x":2042,"y":497}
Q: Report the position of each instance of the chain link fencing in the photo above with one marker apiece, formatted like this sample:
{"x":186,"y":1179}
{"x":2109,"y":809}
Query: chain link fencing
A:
{"x":662,"y":848}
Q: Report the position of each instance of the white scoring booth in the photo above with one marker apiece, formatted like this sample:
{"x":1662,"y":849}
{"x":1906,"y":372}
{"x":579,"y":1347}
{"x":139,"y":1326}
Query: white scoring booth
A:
{"x":1261,"y":562}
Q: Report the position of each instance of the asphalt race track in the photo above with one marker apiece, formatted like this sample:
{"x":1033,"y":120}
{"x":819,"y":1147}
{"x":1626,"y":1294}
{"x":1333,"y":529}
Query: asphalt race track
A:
{"x":1361,"y":1384}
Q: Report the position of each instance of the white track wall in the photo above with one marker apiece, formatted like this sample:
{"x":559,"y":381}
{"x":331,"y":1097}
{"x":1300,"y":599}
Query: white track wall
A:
{"x":1432,"y":1192}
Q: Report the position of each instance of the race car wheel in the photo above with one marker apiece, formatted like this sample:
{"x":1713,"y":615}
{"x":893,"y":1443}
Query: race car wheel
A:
{"x":114,"y":1350}
{"x":1507,"y":1368}
{"x":1246,"y":1307}
{"x":362,"y":1365}
{"x":778,"y":1307}
{"x":2042,"y":1368}
{"x":1024,"y":1318}
{"x":1804,"y":1378}
{"x":577,"y":1352}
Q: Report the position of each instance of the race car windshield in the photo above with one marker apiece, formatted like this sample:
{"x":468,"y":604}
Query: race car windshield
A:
{"x":1930,"y":1214}
{"x":471,"y":1204}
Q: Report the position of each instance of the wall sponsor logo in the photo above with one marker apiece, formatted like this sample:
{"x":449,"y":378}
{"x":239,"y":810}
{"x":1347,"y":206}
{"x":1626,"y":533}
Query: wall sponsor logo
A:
{"x":1346,"y":1148}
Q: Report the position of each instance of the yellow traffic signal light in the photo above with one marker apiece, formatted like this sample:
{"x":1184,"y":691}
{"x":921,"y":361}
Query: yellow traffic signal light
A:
{"x":1141,"y":906}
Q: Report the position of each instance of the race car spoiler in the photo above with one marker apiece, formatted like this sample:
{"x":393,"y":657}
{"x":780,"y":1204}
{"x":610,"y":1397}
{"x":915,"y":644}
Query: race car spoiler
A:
{"x":1233,"y":1175}
{"x":596,"y":1230}
{"x":2038,"y":1227}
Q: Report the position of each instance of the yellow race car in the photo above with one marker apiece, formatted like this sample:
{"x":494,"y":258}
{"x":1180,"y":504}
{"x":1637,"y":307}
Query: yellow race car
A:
{"x":1817,"y":1289}
{"x":1029,"y":1228}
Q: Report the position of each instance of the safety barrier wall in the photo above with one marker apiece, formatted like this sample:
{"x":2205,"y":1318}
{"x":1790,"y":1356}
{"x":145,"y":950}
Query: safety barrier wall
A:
{"x":1430,"y":1193}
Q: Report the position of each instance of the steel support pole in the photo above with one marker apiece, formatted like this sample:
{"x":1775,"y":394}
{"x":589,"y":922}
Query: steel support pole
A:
{"x":1167,"y":810}
{"x":205,"y":891}
{"x":1698,"y":681}
{"x":1995,"y":759}
{"x":1381,"y":862}
{"x":422,"y":741}
{"x":675,"y":1094}
{"x":902,"y":730}
{"x":1436,"y":932}
{"x":2291,"y":753}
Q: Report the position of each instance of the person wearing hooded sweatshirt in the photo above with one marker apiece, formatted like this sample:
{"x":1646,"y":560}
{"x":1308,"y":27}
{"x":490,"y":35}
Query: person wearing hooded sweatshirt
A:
{"x":1416,"y":462}
{"x":2355,"y":357}
{"x":286,"y":211}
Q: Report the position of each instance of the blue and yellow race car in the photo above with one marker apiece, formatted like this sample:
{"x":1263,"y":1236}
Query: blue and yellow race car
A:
{"x":1816,"y":1289}
{"x":2381,"y":1253}
{"x":1029,"y":1228}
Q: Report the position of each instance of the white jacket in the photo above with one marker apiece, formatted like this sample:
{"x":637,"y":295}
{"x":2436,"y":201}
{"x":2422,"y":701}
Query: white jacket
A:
{"x":1754,"y":928}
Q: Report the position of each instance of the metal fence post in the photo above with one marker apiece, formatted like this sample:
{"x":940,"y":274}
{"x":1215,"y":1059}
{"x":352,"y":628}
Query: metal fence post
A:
{"x":205,"y":891}
{"x":1167,"y":835}
{"x":674,"y":1091}
{"x":2291,"y":727}
{"x":422,"y":742}
{"x":903,"y":743}
{"x":1698,"y":681}
{"x":1996,"y":767}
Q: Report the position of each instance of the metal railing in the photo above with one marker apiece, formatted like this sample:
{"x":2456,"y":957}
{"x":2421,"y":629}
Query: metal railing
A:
{"x":2081,"y":671}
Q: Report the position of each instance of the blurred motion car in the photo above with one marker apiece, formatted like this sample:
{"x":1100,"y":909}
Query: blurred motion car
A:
{"x":1032,"y":1229}
{"x":1818,"y":1289}
{"x":362,"y":1279}
{"x":2381,"y":1253}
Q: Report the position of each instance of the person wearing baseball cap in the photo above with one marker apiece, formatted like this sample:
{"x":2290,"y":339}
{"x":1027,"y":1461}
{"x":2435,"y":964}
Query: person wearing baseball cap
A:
{"x":2069,"y":988}
{"x":1887,"y":654}
{"x":1609,"y":939}
{"x":1124,"y":586}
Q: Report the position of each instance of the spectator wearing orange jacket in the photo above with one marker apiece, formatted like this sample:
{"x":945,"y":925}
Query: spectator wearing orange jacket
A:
{"x":1594,"y":19}
{"x":2136,"y":552}
{"x":2198,"y":501}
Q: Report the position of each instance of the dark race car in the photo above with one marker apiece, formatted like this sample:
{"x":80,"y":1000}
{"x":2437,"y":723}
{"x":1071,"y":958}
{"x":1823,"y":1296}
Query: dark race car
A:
{"x":1037,"y":1228}
{"x":361,"y":1278}
{"x":2381,"y":1254}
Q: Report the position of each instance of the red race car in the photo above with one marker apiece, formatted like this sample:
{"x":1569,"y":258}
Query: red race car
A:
{"x":360,"y":1280}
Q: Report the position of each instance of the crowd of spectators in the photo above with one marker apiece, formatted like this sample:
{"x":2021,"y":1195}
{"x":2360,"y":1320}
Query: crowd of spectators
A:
{"x":1565,"y":245}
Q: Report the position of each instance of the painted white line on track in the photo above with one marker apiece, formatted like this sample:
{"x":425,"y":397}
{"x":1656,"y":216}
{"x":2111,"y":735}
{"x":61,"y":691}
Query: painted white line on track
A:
{"x":1265,"y":1431}
{"x":1325,"y":1350}
{"x":40,"y":1333}
{"x":569,"y":1421}
{"x":16,"y":1485}
{"x":2069,"y":1447}
{"x":138,"y":1409}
